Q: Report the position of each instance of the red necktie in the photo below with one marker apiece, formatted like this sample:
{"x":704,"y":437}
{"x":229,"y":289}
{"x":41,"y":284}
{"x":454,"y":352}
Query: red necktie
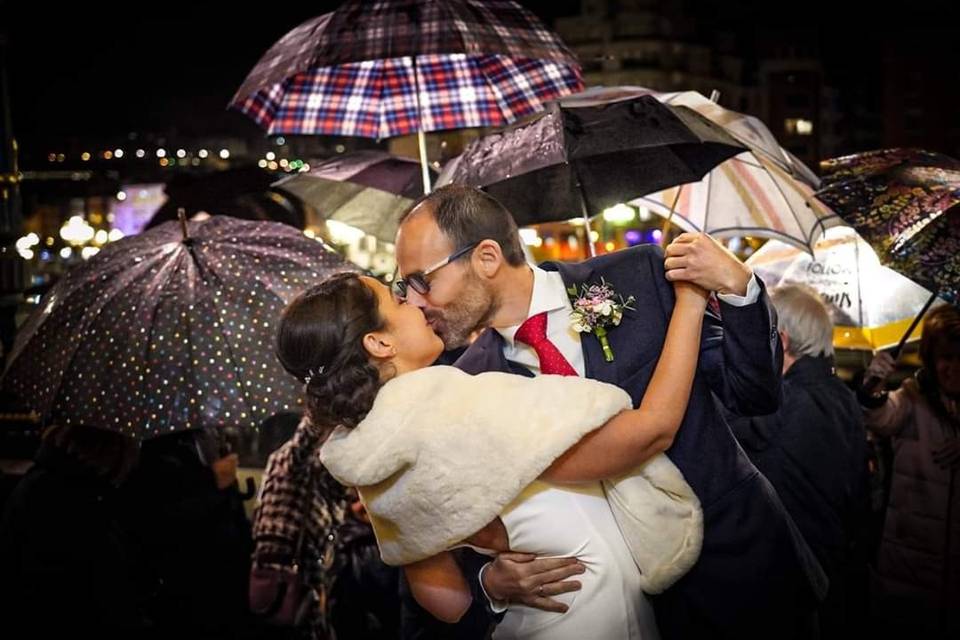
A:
{"x":534,"y":333}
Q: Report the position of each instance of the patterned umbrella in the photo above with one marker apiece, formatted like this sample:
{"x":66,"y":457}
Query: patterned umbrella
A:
{"x":395,"y":67}
{"x":902,"y":202}
{"x":157,"y":334}
{"x":871,"y":305}
{"x":365,"y":189}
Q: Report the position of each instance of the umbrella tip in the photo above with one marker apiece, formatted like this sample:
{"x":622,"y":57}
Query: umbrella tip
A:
{"x":182,"y":215}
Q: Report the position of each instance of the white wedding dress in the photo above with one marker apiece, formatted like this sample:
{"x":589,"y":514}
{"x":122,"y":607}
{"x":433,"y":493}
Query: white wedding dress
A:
{"x":576,"y":521}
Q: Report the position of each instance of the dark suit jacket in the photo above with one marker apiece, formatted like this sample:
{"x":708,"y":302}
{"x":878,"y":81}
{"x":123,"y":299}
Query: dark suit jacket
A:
{"x":755,"y":577}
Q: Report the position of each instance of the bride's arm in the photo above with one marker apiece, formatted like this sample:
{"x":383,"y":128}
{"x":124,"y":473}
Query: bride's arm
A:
{"x":439,"y":587}
{"x":632,"y":437}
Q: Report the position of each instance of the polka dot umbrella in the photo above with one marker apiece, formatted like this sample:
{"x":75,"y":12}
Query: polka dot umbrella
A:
{"x":171,"y":329}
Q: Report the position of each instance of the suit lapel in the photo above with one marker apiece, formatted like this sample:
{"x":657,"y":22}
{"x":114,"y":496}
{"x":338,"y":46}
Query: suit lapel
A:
{"x":593,"y":361}
{"x":486,"y":354}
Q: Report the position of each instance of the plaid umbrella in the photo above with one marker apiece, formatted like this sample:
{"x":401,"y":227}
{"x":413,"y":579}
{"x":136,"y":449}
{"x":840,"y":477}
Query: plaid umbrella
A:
{"x":394,"y":67}
{"x":902,"y":202}
{"x":157,"y":333}
{"x":366,"y":189}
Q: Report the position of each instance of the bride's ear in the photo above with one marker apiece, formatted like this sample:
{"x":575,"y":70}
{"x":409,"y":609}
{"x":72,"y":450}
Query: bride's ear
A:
{"x":379,"y":345}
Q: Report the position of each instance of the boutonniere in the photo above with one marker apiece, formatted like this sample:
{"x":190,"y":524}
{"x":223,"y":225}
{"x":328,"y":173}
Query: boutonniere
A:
{"x":597,"y":307}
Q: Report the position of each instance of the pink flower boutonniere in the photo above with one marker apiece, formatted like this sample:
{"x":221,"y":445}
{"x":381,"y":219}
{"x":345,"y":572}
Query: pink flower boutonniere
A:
{"x":597,"y":307}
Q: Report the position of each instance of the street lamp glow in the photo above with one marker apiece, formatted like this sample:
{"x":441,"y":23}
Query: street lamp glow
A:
{"x":273,"y":166}
{"x":121,"y":195}
{"x":181,"y":153}
{"x":224,"y":154}
{"x":203,"y":153}
{"x":85,"y":156}
{"x":141,"y":153}
{"x":344,"y":233}
{"x":107,"y":155}
{"x":77,"y":231}
{"x":281,"y":141}
{"x":262,"y":163}
{"x":118,"y":153}
{"x":271,"y":155}
{"x":619,"y":213}
{"x":161,"y":153}
{"x":66,"y":252}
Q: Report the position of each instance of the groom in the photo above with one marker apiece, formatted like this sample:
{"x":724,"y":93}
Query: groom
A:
{"x":460,"y":260}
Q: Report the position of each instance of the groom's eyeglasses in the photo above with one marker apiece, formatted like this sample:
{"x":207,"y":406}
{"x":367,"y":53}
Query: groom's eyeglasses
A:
{"x":418,"y":279}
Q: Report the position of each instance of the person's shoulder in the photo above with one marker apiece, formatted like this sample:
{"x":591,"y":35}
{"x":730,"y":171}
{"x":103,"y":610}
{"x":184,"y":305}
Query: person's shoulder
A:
{"x":630,"y":256}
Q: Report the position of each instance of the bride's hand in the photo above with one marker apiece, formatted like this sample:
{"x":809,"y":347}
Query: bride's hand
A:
{"x":690,"y":294}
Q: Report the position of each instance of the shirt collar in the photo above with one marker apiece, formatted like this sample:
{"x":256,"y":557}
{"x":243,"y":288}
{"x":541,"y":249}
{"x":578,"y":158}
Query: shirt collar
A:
{"x":549,"y":294}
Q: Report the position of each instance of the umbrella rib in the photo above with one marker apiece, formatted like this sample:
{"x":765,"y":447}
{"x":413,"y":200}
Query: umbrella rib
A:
{"x":783,"y":195}
{"x":56,"y":390}
{"x":152,"y":324}
{"x":226,"y":341}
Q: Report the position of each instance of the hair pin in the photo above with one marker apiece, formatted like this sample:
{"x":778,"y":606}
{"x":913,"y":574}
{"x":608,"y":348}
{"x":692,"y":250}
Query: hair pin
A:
{"x":311,"y":375}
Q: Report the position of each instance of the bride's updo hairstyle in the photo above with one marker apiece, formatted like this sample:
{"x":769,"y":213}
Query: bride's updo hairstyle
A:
{"x":320,"y":343}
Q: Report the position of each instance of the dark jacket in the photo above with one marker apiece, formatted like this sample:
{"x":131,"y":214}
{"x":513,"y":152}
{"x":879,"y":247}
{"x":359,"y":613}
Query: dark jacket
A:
{"x":814,"y":452}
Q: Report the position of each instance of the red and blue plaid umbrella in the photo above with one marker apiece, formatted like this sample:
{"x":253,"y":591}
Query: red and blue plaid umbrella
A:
{"x":395,"y":67}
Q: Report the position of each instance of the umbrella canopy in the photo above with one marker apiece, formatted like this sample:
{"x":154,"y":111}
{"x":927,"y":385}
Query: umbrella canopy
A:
{"x":764,"y":192}
{"x":902,"y":202}
{"x":871,"y":305}
{"x":395,"y":67}
{"x":367,"y":190}
{"x":157,"y":333}
{"x":592,"y":157}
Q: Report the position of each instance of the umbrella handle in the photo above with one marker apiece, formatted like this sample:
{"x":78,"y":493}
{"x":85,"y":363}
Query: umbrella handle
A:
{"x":872,"y":384}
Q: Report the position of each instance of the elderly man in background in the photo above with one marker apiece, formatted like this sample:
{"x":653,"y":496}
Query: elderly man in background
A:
{"x":814,"y":452}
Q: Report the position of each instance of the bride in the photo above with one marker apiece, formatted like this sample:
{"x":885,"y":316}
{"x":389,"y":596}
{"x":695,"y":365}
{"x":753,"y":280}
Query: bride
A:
{"x":553,"y":466}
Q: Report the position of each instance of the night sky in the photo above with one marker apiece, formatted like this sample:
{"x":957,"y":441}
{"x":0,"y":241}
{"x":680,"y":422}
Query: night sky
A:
{"x":106,"y":68}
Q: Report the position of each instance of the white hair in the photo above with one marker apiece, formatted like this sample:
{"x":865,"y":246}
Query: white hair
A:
{"x":805,"y":318}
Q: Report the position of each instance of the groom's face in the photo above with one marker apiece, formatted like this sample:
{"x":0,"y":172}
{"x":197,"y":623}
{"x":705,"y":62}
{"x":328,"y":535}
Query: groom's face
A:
{"x":459,"y":301}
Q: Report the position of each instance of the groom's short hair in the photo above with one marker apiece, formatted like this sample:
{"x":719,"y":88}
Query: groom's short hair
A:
{"x":467,"y":216}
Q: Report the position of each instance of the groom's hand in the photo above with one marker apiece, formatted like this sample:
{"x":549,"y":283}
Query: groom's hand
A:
{"x":698,"y":258}
{"x":522,"y":578}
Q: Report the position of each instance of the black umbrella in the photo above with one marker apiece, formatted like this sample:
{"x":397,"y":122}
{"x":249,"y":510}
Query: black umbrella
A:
{"x":571,"y":160}
{"x":160,"y":333}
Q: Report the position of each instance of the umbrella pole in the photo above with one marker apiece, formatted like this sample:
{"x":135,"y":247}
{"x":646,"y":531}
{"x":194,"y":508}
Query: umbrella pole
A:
{"x":872,"y":383}
{"x":591,"y":250}
{"x":421,"y":138}
{"x":664,"y":235}
{"x":913,"y":325}
{"x":182,"y":216}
